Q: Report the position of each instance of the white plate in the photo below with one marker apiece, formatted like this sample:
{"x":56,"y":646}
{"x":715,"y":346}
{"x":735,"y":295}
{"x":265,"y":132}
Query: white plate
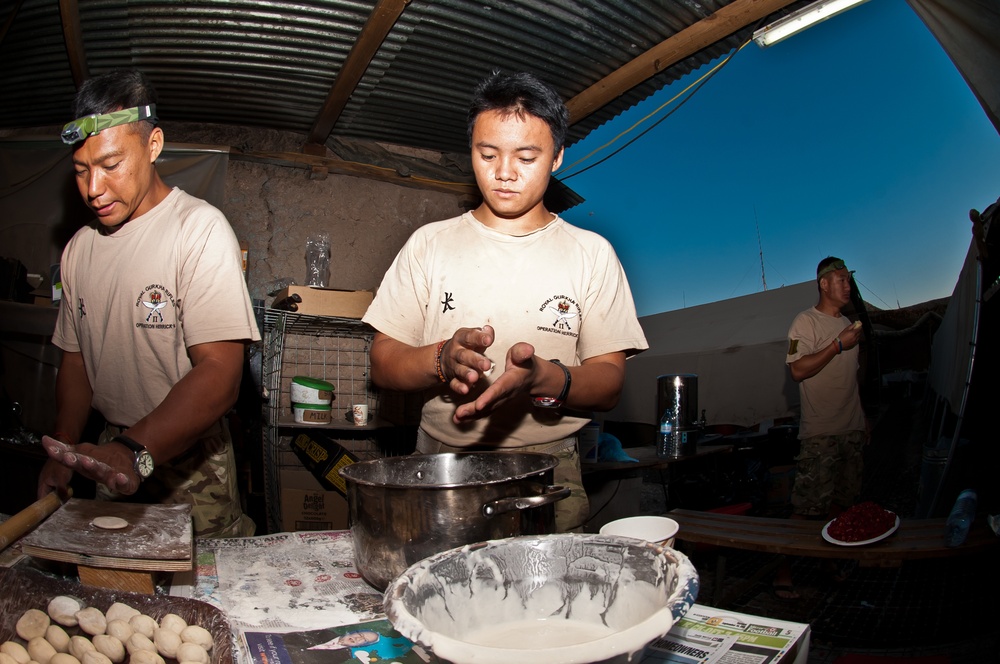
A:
{"x":833,"y":540}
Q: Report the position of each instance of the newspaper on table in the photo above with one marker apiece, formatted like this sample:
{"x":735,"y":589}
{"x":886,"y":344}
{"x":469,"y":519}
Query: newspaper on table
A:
{"x":706,"y":635}
{"x":285,"y":581}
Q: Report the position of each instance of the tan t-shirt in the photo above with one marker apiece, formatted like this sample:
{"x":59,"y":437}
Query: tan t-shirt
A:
{"x":561,"y":288}
{"x":135,"y":301}
{"x":830,"y":401}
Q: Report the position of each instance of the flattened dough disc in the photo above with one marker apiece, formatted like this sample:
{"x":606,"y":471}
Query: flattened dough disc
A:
{"x":110,"y":522}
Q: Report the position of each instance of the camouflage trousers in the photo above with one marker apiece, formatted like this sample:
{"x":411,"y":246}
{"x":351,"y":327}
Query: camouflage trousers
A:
{"x":203,"y":477}
{"x":572,"y":511}
{"x":827,"y":473}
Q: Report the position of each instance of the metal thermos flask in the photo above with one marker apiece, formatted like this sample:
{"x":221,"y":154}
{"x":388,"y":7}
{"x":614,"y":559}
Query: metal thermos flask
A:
{"x":679,"y":394}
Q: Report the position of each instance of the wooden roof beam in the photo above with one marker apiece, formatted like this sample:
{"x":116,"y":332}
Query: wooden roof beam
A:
{"x":69,"y":12}
{"x":688,"y":41}
{"x":380,"y":22}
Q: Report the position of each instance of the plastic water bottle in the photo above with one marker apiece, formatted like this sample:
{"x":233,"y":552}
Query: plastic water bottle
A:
{"x":665,"y":440}
{"x":960,"y":519}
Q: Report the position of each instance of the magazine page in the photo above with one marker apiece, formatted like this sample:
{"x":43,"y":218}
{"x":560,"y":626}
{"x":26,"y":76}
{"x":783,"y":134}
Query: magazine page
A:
{"x":367,"y":642}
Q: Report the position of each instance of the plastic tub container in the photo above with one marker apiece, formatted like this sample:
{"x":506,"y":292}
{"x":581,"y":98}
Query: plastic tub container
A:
{"x":306,"y":390}
{"x":311,"y":413}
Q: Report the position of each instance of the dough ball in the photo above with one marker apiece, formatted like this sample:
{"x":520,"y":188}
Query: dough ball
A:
{"x":58,"y":637}
{"x":145,"y":657}
{"x":167,"y":641}
{"x":63,"y":658}
{"x":15,"y":650}
{"x":92,"y":620}
{"x":79,"y":646}
{"x":94,"y":657}
{"x":40,"y":650}
{"x":119,"y":629}
{"x":143,"y":624}
{"x":139,"y":641}
{"x":63,"y":608}
{"x":173,"y":622}
{"x":7,"y":659}
{"x":192,"y":652}
{"x":110,"y":647}
{"x":197,"y":634}
{"x":119,"y":611}
{"x":32,"y":623}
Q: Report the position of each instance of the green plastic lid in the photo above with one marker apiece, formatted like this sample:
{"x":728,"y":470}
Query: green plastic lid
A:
{"x":314,"y":383}
{"x":312,"y":406}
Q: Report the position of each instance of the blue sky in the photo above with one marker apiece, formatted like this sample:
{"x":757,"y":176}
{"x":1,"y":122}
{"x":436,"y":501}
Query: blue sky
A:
{"x":857,"y":138}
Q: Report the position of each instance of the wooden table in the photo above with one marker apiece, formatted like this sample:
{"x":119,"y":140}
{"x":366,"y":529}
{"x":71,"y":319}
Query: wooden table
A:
{"x":915,"y":539}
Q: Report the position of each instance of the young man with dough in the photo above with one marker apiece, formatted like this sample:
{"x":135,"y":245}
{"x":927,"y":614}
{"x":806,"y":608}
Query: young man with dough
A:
{"x":514,"y":323}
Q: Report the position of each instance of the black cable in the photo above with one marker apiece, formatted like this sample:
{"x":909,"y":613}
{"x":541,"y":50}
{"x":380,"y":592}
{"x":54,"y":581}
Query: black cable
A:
{"x":690,"y":94}
{"x":605,"y":505}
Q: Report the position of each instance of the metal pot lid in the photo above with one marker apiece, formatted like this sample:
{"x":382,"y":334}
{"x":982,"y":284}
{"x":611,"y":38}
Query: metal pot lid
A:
{"x":449,"y":470}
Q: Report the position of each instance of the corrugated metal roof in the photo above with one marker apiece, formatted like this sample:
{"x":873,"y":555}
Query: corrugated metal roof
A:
{"x":272,"y":63}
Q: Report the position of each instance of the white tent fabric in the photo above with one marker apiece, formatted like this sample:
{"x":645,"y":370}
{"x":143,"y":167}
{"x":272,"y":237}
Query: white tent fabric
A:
{"x":968,"y":30}
{"x":956,"y":340}
{"x":953,"y":344}
{"x":737,"y":349}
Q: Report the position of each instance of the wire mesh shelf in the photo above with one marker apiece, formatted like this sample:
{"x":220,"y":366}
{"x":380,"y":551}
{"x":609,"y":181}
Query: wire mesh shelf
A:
{"x":324,"y":347}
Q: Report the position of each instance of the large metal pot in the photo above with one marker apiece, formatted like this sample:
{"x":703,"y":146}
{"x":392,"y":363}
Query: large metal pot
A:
{"x":404,"y":509}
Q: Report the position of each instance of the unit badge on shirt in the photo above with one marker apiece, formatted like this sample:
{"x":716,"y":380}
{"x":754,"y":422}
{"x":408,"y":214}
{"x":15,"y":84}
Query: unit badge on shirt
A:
{"x":153,"y":303}
{"x":564,"y":315}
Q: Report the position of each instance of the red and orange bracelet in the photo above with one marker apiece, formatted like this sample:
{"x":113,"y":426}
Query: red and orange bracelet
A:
{"x":437,"y":360}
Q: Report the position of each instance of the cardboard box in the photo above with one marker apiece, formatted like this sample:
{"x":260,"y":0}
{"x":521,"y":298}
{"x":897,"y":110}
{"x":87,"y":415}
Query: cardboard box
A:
{"x":325,"y":301}
{"x":305,"y":505}
{"x":323,"y":457}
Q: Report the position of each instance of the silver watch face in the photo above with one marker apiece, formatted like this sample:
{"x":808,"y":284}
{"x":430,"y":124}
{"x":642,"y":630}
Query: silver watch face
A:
{"x":144,"y":464}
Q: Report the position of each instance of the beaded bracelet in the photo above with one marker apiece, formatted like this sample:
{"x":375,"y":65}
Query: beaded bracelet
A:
{"x":437,"y":360}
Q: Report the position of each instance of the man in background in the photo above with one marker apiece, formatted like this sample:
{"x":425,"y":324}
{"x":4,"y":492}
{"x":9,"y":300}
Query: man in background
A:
{"x":823,"y":359}
{"x":153,"y":323}
{"x":514,"y":323}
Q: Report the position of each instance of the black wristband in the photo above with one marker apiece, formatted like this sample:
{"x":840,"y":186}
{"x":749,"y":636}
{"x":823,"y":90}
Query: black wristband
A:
{"x":550,"y":402}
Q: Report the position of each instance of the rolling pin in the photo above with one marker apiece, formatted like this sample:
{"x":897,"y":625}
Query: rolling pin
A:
{"x":32,"y":515}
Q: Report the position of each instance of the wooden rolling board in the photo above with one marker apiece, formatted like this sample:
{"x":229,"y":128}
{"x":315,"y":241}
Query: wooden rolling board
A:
{"x":158,"y":538}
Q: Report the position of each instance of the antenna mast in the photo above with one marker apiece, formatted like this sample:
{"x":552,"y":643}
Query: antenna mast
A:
{"x":760,"y":248}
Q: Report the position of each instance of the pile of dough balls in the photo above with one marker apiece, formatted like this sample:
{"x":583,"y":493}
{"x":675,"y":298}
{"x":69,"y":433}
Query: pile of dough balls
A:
{"x":71,"y":633}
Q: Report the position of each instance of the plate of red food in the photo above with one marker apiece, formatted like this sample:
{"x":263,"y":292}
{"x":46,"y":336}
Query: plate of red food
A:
{"x":861,"y":524}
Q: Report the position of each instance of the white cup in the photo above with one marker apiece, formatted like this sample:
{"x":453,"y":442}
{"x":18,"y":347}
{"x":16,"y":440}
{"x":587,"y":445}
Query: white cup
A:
{"x":360,"y":412}
{"x":655,"y":529}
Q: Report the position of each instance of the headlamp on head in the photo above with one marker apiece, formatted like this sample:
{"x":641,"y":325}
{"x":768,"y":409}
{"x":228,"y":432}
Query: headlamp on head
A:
{"x":832,"y":267}
{"x":91,"y":125}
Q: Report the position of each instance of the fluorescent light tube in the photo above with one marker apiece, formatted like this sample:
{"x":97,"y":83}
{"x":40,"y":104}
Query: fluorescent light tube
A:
{"x":801,"y":19}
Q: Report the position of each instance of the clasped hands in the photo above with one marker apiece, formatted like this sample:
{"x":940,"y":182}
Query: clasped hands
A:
{"x":464,"y":363}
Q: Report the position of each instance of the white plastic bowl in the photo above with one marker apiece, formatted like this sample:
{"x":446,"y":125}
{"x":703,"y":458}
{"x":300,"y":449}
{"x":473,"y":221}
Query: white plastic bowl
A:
{"x":567,"y":598}
{"x":655,"y":529}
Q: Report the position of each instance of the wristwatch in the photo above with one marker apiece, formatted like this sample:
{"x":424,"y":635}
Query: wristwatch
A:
{"x":143,"y":465}
{"x":555,"y":402}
